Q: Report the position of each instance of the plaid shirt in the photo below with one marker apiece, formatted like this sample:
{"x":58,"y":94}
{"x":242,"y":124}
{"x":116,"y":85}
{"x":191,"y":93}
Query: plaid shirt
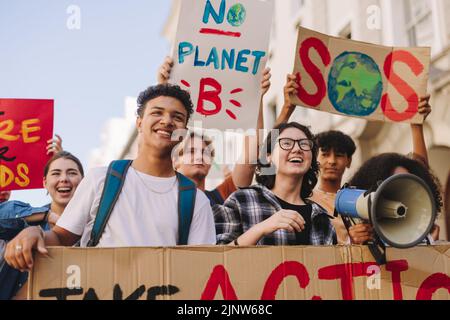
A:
{"x":250,"y":206}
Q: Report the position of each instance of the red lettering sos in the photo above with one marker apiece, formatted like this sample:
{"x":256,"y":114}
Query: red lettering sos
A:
{"x":398,"y":56}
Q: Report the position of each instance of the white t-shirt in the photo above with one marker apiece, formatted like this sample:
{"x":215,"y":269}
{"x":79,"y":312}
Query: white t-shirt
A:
{"x":141,"y":217}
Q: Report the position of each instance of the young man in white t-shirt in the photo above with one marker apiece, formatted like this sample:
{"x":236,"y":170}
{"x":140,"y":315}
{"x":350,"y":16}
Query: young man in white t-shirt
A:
{"x":146,"y":212}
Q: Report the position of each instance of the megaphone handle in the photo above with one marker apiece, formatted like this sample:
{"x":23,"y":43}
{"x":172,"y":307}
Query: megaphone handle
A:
{"x":378,"y":250}
{"x":347,"y":223}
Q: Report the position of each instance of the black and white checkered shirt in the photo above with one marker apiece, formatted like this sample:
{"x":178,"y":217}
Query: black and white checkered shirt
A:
{"x":250,"y":206}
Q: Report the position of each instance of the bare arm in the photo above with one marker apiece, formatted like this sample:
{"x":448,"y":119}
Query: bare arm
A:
{"x":60,"y":237}
{"x":418,"y":138}
{"x":244,"y":170}
{"x":37,"y":217}
{"x":19,"y":251}
{"x":290,"y":89}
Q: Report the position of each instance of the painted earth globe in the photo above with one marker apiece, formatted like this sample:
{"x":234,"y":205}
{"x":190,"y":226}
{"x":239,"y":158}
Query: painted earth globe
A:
{"x":355,"y":84}
{"x":236,"y":15}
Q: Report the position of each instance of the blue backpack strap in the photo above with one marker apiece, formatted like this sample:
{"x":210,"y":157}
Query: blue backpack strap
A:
{"x":115,"y":178}
{"x":215,"y":198}
{"x":187,"y":191}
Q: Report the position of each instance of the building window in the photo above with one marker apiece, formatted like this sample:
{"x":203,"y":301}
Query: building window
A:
{"x":419,"y":22}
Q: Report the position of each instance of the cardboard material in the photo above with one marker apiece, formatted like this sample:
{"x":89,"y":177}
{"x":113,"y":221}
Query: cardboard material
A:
{"x":220,"y":52}
{"x":267,"y":273}
{"x":360,"y":79}
{"x":25,"y":127}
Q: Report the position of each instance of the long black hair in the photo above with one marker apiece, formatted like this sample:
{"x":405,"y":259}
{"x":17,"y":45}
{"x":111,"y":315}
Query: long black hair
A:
{"x":381,"y":167}
{"x":268,"y":180}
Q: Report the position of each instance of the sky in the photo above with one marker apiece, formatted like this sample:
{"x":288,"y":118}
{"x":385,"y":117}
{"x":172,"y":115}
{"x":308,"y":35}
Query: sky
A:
{"x":89,"y":71}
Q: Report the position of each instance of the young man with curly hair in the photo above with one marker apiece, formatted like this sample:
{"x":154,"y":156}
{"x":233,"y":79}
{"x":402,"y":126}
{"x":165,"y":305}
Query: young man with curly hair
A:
{"x":146,"y":212}
{"x":335,"y":157}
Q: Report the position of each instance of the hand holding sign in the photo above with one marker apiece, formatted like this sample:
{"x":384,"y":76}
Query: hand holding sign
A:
{"x":164,"y":71}
{"x":54,"y":145}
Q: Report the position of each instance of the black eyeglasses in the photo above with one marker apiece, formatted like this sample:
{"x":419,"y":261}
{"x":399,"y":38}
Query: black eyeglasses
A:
{"x":287,"y":144}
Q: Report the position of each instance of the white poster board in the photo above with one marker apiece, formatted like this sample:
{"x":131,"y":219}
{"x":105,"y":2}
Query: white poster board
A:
{"x":220,"y":53}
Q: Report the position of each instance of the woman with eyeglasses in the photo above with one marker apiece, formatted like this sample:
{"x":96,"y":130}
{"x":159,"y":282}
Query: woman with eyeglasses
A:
{"x":277,"y":211}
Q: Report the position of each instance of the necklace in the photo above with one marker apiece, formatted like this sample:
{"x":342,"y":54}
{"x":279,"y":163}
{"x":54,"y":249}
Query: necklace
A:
{"x":326,"y":193}
{"x":152,"y":190}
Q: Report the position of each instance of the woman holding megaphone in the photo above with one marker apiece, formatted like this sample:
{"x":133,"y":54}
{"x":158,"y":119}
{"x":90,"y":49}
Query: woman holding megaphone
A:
{"x":386,"y":165}
{"x":382,"y":167}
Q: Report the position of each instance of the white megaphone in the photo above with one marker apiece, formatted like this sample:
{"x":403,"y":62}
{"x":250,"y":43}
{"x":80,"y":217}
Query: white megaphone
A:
{"x":402,"y":209}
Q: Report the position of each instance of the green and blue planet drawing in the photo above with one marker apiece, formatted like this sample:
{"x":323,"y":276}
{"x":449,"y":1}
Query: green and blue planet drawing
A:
{"x":355,"y":84}
{"x":236,"y":15}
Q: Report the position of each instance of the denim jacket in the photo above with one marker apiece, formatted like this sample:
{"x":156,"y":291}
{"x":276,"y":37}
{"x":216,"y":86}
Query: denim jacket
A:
{"x":12,"y":218}
{"x":12,"y":222}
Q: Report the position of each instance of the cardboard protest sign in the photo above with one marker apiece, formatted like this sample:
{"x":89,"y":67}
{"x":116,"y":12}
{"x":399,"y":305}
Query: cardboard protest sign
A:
{"x":359,"y":79}
{"x":221,"y":49}
{"x":25,"y":128}
{"x":257,"y":273}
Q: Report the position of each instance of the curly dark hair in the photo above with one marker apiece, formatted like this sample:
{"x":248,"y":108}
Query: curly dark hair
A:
{"x":63,"y":155}
{"x":337,"y":141}
{"x":381,"y":167}
{"x":166,"y":90}
{"x":309,"y":179}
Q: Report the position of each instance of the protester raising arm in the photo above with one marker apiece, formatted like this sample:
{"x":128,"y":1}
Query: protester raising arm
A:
{"x":290,"y":89}
{"x":244,"y":170}
{"x":418,"y":139}
{"x":420,"y":148}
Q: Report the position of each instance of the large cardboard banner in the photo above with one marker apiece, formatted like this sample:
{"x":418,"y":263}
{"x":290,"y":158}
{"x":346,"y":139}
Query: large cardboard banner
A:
{"x":360,"y":79}
{"x":258,"y":273}
{"x":221,"y":49}
{"x":25,"y":128}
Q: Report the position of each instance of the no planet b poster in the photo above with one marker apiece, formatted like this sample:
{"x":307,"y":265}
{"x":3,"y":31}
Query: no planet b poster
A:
{"x":360,"y":79}
{"x":220,"y":52}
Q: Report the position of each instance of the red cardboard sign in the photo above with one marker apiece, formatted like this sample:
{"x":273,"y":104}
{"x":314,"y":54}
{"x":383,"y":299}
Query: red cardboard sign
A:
{"x":25,"y":128}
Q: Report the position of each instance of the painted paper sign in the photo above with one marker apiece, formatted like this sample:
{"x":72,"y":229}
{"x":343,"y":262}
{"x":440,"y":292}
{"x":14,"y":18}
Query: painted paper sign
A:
{"x":231,"y":273}
{"x":359,"y":79}
{"x":220,"y":53}
{"x":25,"y":128}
